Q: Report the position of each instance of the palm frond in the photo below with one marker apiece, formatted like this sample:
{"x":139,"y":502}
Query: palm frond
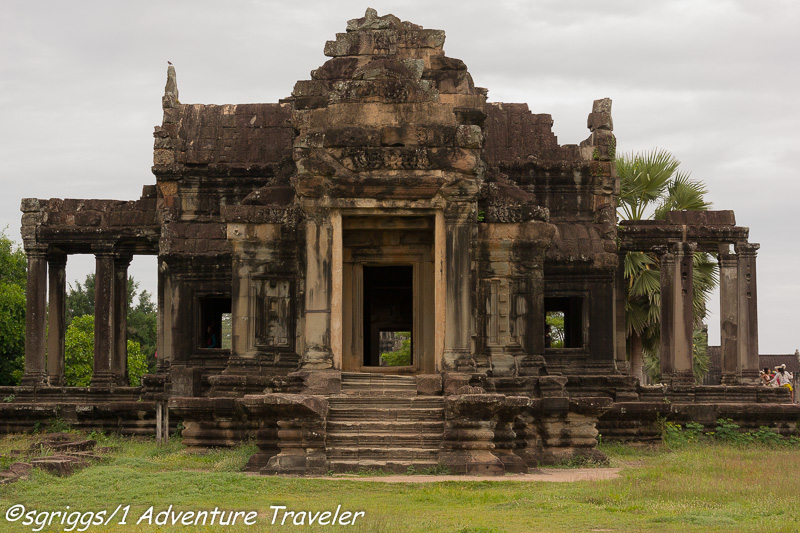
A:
{"x":636,"y":261}
{"x":652,"y":180}
{"x":644,"y":178}
{"x":700,"y":359}
{"x":637,"y":317}
{"x":652,"y":364}
{"x":646,"y":283}
{"x":683,"y":193}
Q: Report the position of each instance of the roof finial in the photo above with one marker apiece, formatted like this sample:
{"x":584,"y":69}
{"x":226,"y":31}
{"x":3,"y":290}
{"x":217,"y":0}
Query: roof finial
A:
{"x":170,"y":98}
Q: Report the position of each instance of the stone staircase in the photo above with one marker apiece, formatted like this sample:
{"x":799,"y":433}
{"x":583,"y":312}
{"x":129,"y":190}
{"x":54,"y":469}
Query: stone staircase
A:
{"x":364,"y":384}
{"x":379,"y":423}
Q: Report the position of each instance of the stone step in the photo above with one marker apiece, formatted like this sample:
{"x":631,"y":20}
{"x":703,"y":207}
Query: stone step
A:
{"x":395,"y":427}
{"x":367,"y":384}
{"x":380,"y":385}
{"x":378,"y":439}
{"x":361,"y":377}
{"x":382,"y":453}
{"x":386,"y":402}
{"x":377,"y":414}
{"x":380,"y":424}
{"x":371,"y":393}
{"x":399,"y":466}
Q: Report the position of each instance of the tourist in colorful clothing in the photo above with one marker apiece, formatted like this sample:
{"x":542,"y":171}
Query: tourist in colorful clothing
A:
{"x":784,"y":379}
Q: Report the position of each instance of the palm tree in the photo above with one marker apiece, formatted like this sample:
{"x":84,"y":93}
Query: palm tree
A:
{"x":651,"y":185}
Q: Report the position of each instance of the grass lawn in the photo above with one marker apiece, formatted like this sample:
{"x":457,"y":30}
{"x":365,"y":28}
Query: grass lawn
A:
{"x":695,"y":487}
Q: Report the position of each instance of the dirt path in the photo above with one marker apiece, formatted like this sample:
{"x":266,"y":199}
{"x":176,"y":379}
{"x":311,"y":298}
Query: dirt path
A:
{"x":559,"y":475}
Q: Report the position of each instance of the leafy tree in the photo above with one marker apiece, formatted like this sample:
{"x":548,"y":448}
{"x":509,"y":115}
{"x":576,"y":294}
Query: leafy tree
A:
{"x":137,"y":364}
{"x":401,"y":356}
{"x":80,"y":355}
{"x":79,"y":348}
{"x":555,"y":329}
{"x":80,"y":299}
{"x":13,"y":263}
{"x":13,"y":278}
{"x":142,"y":317}
{"x":651,"y":185}
{"x":143,"y":323}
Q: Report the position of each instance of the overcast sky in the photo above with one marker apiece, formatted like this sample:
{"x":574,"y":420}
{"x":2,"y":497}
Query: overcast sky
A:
{"x":715,"y":82}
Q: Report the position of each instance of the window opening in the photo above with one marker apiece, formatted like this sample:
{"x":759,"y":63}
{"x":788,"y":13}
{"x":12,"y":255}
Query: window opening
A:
{"x":564,"y":324}
{"x":212,"y":311}
{"x":225,"y":330}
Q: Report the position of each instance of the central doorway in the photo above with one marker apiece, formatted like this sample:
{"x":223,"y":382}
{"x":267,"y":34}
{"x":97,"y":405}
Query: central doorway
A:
{"x":388,"y":294}
{"x":388,"y":315}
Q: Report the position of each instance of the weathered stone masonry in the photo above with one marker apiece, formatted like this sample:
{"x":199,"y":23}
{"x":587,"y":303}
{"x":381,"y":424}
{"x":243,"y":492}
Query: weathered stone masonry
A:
{"x":384,"y":195}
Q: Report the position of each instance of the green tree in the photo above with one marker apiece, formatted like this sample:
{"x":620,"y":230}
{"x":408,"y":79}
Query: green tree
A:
{"x":80,"y":355}
{"x":142,"y":317}
{"x":401,"y":356}
{"x":79,"y":351}
{"x":13,"y":277}
{"x":143,"y":323}
{"x":80,"y":299}
{"x":651,"y":185}
{"x":554,"y":320}
{"x":137,"y":364}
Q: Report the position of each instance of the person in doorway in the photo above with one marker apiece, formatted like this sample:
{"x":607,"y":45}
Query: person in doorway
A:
{"x":211,"y":337}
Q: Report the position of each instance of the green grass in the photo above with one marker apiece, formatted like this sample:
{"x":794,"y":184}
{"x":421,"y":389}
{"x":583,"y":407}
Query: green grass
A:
{"x":702,"y":486}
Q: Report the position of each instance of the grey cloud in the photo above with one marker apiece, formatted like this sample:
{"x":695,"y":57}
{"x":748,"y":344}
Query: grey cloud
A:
{"x":715,"y":82}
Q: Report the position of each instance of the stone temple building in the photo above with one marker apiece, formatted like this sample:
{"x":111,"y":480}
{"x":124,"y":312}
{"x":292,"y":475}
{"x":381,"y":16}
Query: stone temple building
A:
{"x":385,"y":203}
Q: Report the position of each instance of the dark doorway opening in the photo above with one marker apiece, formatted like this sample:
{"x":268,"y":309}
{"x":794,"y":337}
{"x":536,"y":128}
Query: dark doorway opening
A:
{"x":564,"y":326}
{"x":215,"y":322}
{"x":388,"y":315}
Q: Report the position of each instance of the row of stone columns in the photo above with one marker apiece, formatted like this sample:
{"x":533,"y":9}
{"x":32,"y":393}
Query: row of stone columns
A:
{"x":677,"y":318}
{"x":738,"y":314}
{"x":45,"y":321}
{"x":35,"y":313}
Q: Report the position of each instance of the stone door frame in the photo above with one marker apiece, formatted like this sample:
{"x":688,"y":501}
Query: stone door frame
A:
{"x":424,"y":333}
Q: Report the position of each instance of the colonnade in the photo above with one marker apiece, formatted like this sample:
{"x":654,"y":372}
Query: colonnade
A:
{"x":45,"y":318}
{"x":738,"y":313}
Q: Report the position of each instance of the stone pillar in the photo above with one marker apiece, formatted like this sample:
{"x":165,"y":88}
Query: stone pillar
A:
{"x":103,"y":319}
{"x":666,"y":353}
{"x":729,"y":315}
{"x":56,"y":318}
{"x":677,"y":320}
{"x":317,"y":353}
{"x":35,"y":330}
{"x":119,"y":360}
{"x":510,"y":271}
{"x":458,"y":289}
{"x":162,"y":355}
{"x":531,"y":363}
{"x":620,"y":354}
{"x":748,"y":313}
